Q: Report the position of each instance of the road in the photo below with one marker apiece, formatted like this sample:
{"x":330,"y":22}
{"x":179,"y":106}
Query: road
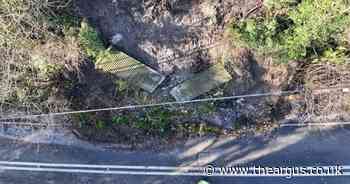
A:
{"x":288,"y":146}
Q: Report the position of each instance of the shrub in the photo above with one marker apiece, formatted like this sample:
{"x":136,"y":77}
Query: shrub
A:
{"x":304,"y":29}
{"x":120,"y":120}
{"x":90,"y":40}
{"x":156,"y":121}
{"x":100,"y":124}
{"x":26,"y":25}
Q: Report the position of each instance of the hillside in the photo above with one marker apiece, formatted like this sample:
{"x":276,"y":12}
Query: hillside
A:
{"x":173,"y":69}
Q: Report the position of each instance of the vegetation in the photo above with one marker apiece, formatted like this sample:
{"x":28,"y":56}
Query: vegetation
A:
{"x":34,"y":48}
{"x":295,"y":30}
{"x":40,"y":40}
{"x":206,"y":108}
{"x":90,"y":40}
{"x":156,"y":121}
{"x":136,"y":126}
{"x":313,"y":32}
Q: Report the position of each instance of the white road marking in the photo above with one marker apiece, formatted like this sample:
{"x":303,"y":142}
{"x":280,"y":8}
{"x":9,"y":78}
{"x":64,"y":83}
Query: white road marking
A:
{"x":314,"y":124}
{"x":137,"y":170}
{"x":153,"y":173}
{"x":39,"y":164}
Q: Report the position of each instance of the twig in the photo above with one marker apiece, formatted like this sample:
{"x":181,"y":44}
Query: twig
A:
{"x":258,"y":5}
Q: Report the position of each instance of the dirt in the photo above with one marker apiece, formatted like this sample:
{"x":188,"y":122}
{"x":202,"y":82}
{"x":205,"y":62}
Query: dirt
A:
{"x":156,"y":31}
{"x":179,"y":38}
{"x":258,"y":75}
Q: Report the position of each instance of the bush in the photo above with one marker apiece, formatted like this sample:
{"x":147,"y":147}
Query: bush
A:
{"x":301,"y":30}
{"x":90,"y":40}
{"x":155,"y":122}
{"x":27,"y":25}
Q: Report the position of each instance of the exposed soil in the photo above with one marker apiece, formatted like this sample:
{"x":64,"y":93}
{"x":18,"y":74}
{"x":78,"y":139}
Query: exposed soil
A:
{"x":155,"y":31}
{"x":179,"y":38}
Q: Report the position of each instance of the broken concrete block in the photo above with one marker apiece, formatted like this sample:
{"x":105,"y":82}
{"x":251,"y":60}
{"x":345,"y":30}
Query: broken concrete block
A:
{"x":201,"y":83}
{"x":123,"y":66}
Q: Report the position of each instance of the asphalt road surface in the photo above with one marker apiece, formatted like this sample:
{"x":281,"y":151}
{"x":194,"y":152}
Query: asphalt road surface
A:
{"x":288,"y":147}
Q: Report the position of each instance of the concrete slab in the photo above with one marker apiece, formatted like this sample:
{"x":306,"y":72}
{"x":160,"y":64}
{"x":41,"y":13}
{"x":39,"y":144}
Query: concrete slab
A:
{"x":201,"y":83}
{"x":123,"y":66}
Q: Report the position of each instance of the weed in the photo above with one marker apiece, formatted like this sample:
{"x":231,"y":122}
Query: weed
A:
{"x":120,"y":120}
{"x":100,"y":124}
{"x":67,"y":24}
{"x":46,"y":69}
{"x":83,"y":117}
{"x":122,"y":85}
{"x":157,"y":121}
{"x":206,"y":129}
{"x":337,"y":56}
{"x":90,"y":40}
{"x":27,"y":81}
{"x":206,"y":108}
{"x":197,"y":128}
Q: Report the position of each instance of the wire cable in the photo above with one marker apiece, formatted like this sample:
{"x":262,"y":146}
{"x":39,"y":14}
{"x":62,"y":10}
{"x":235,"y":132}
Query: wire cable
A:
{"x":280,"y":93}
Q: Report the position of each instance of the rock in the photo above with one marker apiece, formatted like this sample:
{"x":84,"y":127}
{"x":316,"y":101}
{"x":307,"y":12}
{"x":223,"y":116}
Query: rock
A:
{"x":128,"y":68}
{"x":116,"y":38}
{"x":201,"y":83}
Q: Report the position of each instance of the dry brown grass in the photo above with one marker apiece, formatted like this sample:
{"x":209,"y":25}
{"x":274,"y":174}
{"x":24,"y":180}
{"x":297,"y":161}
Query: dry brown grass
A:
{"x":325,"y":96}
{"x":24,"y":30}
